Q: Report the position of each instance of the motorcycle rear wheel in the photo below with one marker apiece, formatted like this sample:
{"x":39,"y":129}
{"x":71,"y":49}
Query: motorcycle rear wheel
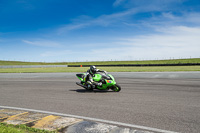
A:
{"x":116,"y":88}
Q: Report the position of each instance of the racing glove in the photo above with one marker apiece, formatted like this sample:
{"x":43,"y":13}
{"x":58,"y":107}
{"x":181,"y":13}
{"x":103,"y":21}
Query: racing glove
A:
{"x":99,"y":84}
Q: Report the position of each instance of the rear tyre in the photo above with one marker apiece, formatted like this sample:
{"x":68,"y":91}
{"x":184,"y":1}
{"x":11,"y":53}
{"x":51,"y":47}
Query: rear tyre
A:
{"x":116,"y":88}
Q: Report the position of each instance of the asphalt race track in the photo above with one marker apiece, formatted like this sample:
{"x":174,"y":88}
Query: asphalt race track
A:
{"x":168,"y":101}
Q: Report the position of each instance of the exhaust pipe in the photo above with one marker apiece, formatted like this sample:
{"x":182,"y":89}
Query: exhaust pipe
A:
{"x":81,"y":85}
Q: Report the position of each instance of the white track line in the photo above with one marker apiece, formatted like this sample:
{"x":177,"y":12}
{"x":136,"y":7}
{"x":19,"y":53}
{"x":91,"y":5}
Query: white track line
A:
{"x":92,"y":119}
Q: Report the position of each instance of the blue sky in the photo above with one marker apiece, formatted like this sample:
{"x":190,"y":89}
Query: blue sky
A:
{"x":99,"y":30}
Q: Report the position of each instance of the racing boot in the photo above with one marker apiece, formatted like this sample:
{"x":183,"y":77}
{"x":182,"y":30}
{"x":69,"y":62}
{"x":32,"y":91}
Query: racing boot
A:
{"x":90,"y":87}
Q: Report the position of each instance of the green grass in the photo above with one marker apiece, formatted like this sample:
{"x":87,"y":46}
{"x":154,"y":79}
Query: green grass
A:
{"x":8,"y":128}
{"x":153,"y":69}
{"x":42,"y":70}
{"x":20,"y":63}
{"x":175,"y":61}
{"x":109,"y":69}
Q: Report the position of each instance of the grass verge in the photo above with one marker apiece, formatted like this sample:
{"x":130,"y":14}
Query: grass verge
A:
{"x":108,"y":69}
{"x":8,"y":128}
{"x":172,"y":61}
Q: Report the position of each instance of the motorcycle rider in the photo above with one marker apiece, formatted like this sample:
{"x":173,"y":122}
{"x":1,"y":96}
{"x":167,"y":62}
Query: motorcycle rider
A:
{"x":88,"y":77}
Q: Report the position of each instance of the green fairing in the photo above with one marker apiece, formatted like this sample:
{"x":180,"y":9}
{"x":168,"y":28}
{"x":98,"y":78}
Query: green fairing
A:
{"x":97,"y":77}
{"x":112,"y":78}
{"x":81,"y":77}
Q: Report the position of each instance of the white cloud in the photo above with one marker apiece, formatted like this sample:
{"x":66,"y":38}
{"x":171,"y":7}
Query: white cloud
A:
{"x":117,"y":2}
{"x":173,"y":42}
{"x":192,"y":17}
{"x":56,"y":53}
{"x":106,"y":20}
{"x":167,"y":19}
{"x":133,"y":7}
{"x":43,"y":43}
{"x":170,"y":36}
{"x":159,"y":3}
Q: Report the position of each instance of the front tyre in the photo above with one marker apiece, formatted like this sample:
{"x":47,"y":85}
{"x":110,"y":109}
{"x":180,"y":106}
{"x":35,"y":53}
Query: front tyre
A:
{"x":116,"y":88}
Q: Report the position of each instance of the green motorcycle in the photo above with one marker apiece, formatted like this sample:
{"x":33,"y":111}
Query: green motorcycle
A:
{"x":107,"y":80}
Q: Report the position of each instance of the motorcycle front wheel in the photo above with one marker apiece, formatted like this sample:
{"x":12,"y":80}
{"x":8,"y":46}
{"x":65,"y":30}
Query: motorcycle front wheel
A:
{"x":116,"y":88}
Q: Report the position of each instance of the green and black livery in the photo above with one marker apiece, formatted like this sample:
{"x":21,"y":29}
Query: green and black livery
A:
{"x":107,"y":80}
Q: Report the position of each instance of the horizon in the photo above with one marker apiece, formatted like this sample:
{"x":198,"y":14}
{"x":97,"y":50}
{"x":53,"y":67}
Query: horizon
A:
{"x":101,"y":30}
{"x":104,"y":61}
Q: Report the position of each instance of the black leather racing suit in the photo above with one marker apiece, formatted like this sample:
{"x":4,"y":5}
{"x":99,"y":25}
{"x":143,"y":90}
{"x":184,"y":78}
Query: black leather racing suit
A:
{"x":89,"y":80}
